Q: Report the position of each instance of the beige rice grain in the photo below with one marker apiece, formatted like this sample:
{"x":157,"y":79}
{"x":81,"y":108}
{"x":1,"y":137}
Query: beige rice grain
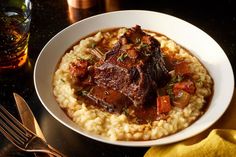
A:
{"x":117,"y":127}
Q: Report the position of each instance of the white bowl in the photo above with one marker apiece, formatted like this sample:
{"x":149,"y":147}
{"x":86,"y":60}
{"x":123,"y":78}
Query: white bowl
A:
{"x":187,"y":35}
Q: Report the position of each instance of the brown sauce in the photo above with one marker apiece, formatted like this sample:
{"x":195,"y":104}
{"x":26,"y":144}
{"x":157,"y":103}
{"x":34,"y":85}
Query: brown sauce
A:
{"x":140,"y":115}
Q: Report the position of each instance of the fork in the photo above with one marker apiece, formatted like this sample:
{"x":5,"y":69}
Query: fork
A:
{"x":22,"y":137}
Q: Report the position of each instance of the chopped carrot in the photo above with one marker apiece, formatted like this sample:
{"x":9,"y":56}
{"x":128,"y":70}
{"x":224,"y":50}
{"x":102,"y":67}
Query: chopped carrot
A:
{"x":182,"y":68}
{"x":163,"y":104}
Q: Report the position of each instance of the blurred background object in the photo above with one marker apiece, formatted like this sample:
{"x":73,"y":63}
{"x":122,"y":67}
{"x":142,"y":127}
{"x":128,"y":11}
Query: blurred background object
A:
{"x":112,"y":5}
{"x":82,"y":4}
{"x":80,"y":9}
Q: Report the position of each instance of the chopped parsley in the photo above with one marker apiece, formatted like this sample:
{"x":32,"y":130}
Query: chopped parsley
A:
{"x":82,"y":92}
{"x":122,"y":57}
{"x":147,"y":53}
{"x":145,"y":49}
{"x":143,"y":46}
{"x":169,"y":87}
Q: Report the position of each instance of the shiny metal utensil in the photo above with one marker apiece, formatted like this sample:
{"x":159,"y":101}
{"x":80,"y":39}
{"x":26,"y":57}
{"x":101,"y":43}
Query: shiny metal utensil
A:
{"x":27,"y":117}
{"x":22,"y":137}
{"x":28,"y":120}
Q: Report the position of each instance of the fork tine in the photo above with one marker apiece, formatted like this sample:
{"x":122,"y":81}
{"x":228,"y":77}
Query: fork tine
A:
{"x":21,"y":137}
{"x":12,"y":126}
{"x":17,"y":125}
{"x":5,"y":132}
{"x":8,"y":129}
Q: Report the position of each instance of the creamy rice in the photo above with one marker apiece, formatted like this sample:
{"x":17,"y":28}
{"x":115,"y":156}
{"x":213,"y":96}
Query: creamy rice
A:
{"x":115,"y":126}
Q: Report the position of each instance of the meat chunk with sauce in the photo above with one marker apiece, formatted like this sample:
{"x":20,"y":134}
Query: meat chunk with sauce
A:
{"x":111,"y":100}
{"x":134,"y":67}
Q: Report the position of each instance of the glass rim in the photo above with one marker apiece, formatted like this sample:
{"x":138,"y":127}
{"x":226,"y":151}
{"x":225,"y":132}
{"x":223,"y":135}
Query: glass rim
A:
{"x":26,"y":13}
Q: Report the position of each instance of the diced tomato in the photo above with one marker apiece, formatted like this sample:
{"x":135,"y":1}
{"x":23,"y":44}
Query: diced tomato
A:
{"x":79,"y":68}
{"x":182,"y":68}
{"x":163,"y":104}
{"x":182,"y":98}
{"x":187,"y":86}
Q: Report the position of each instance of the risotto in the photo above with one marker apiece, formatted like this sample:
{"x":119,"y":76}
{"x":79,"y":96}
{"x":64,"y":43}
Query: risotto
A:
{"x":186,"y":94}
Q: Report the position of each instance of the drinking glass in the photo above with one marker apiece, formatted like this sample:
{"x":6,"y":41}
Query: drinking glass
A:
{"x":15,"y":17}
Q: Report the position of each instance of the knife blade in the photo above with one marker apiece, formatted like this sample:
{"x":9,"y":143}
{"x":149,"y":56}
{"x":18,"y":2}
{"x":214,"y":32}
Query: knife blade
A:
{"x":28,"y":120}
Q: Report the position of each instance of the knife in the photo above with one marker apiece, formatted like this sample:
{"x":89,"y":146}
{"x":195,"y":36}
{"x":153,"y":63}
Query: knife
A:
{"x":28,"y":120}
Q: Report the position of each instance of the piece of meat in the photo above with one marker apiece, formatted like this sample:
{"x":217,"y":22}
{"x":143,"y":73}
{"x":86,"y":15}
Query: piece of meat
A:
{"x":111,"y":100}
{"x":134,"y":67}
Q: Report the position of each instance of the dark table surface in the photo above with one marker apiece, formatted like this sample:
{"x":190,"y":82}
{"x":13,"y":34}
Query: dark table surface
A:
{"x":216,"y":18}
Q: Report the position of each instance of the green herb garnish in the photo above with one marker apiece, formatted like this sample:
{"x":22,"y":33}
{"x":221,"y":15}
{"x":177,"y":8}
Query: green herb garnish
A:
{"x":143,"y":46}
{"x":147,"y":53}
{"x":169,"y":87}
{"x":122,"y":57}
{"x":170,"y":92}
{"x":82,"y":92}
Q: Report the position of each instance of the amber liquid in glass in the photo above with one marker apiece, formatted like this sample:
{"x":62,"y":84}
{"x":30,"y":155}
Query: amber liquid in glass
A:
{"x":13,"y":40}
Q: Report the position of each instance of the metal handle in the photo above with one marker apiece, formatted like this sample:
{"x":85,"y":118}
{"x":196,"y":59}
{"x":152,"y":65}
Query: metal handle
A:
{"x":54,"y":152}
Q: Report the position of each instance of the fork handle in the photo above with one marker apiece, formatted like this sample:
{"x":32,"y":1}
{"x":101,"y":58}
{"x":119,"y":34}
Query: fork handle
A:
{"x":54,"y":152}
